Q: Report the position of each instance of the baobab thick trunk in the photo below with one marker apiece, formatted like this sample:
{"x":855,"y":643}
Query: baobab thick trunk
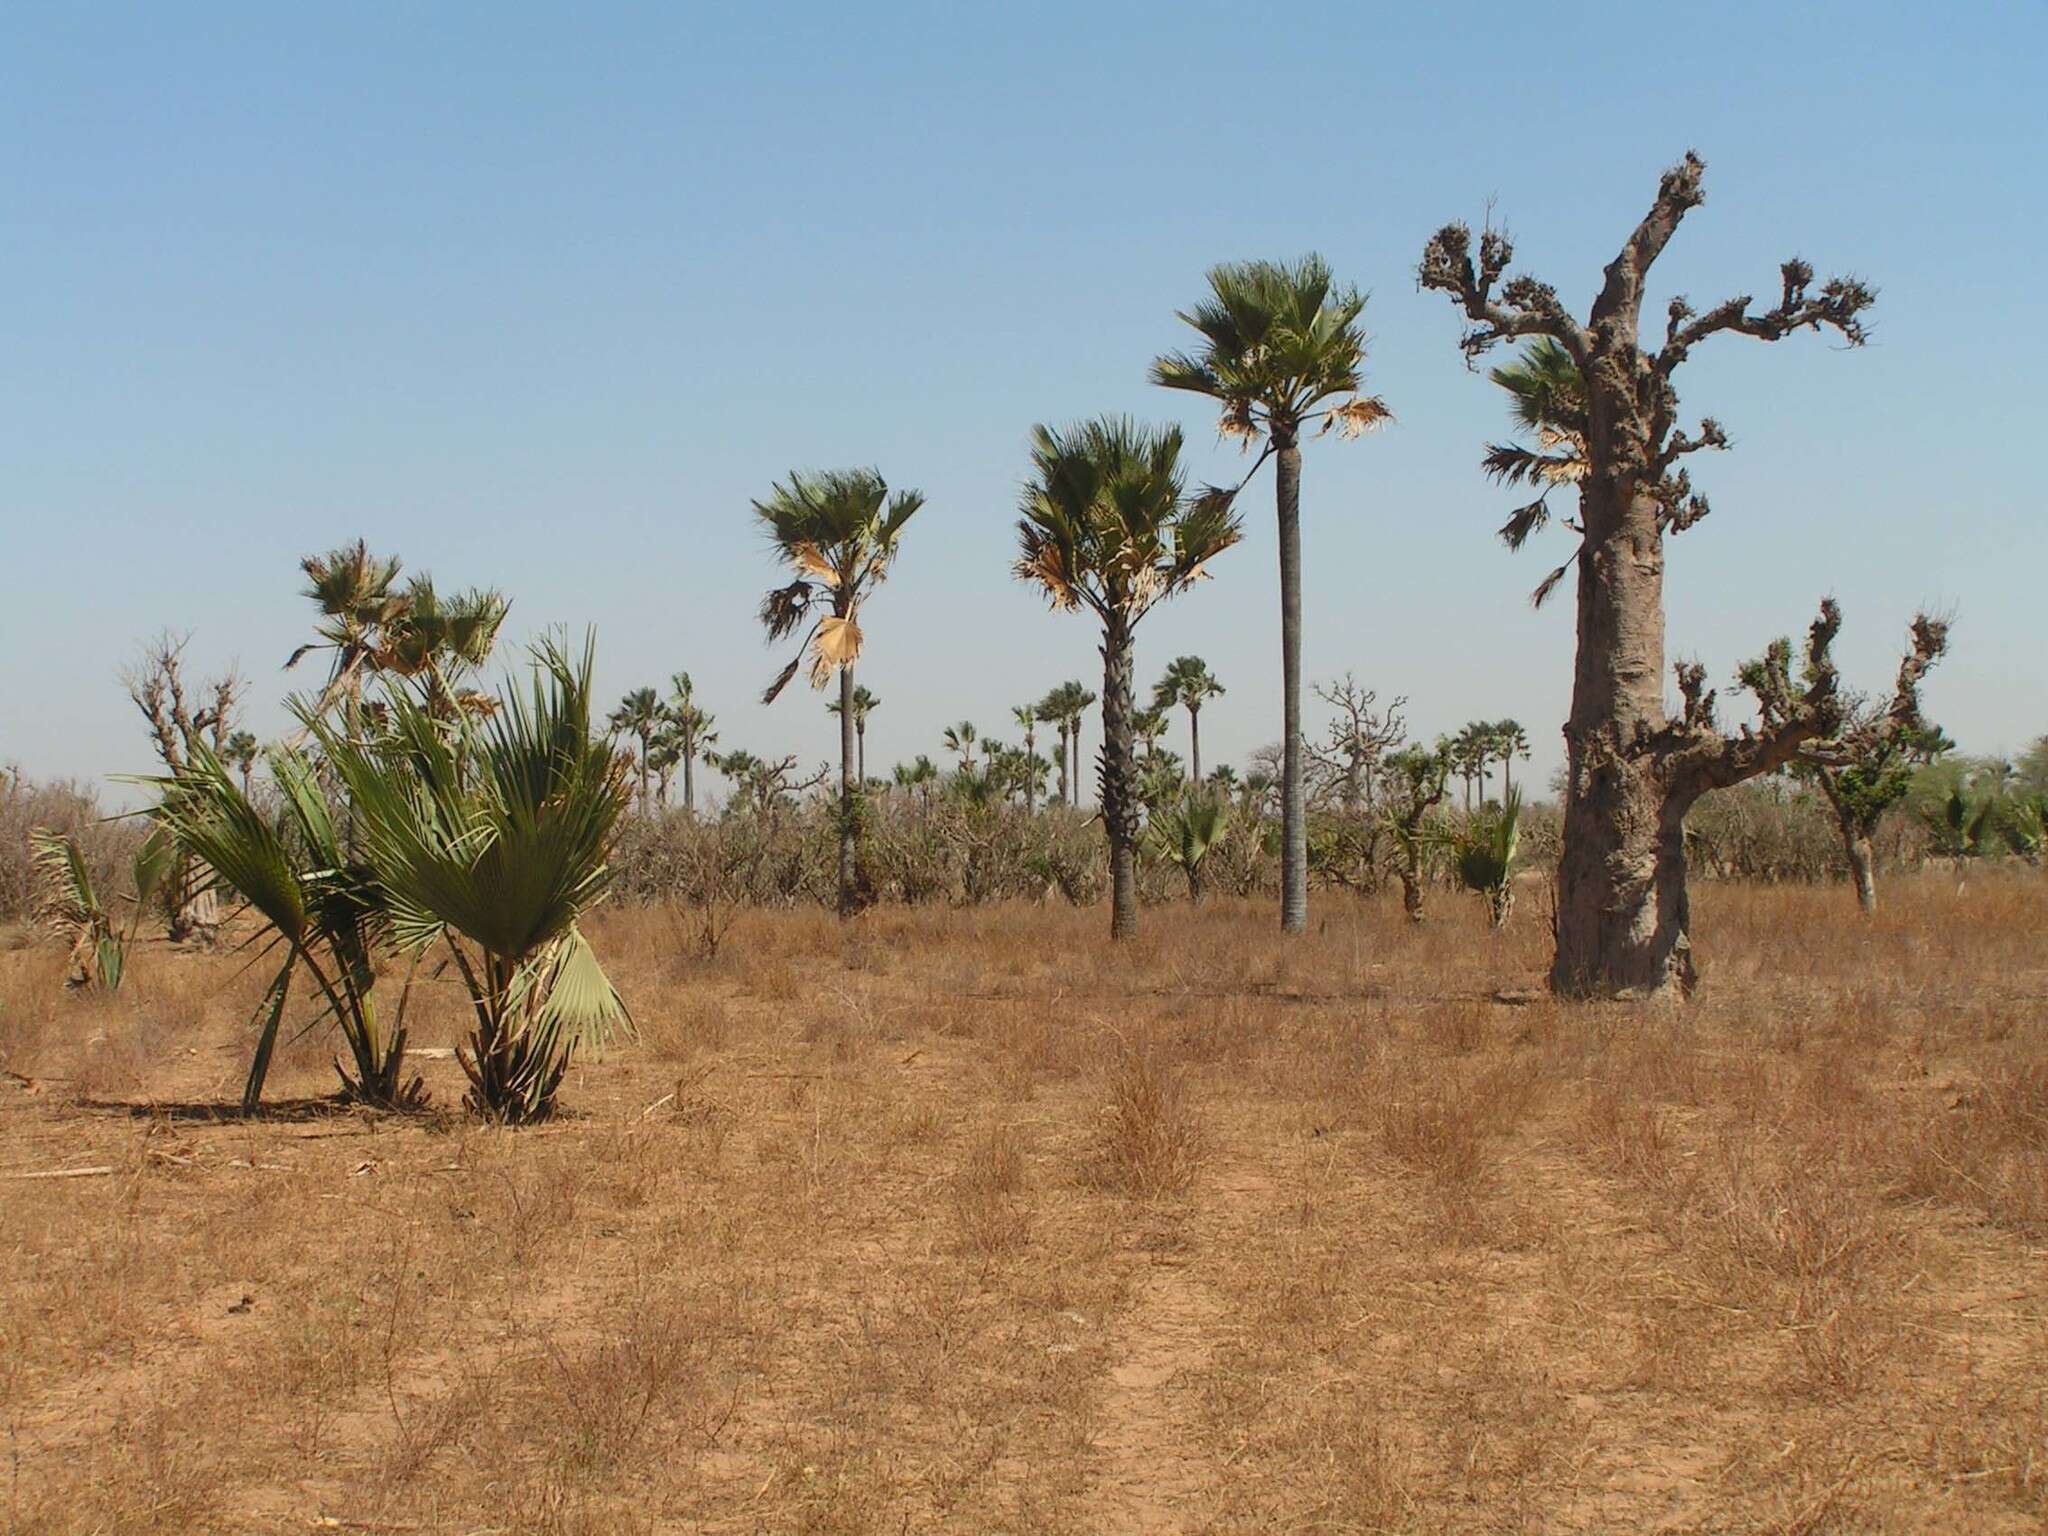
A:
{"x":1293,"y":804}
{"x":848,"y":815}
{"x":1119,"y":779}
{"x":1622,"y":914}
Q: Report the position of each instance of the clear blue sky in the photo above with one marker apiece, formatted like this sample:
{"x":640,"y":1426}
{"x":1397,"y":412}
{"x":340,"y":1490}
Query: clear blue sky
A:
{"x":540,"y":297}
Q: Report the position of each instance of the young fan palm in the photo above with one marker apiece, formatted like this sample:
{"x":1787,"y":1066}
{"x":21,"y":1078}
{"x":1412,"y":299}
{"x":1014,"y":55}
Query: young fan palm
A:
{"x":72,"y":907}
{"x":494,"y":839}
{"x":1280,"y":340}
{"x":1107,"y":525}
{"x":324,"y":906}
{"x":838,"y":532}
{"x":1185,"y":836}
{"x":1188,"y":684}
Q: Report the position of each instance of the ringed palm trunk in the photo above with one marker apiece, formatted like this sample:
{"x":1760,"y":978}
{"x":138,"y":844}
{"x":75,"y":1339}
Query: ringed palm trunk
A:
{"x":1065,"y":797}
{"x":1293,"y":806}
{"x":1622,"y":910}
{"x":1119,"y":778}
{"x":848,"y":750}
{"x":1195,"y":746}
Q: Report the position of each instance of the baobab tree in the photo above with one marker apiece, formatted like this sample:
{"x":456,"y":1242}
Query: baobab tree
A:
{"x":1869,"y":767}
{"x":1633,"y":772}
{"x":1279,"y":340}
{"x":1107,"y":525}
{"x":838,"y":533}
{"x":1357,"y":738}
{"x":1188,"y":684}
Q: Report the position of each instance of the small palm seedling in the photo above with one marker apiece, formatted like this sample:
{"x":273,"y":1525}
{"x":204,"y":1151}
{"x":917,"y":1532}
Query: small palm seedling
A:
{"x":1187,"y":834}
{"x":1486,"y":856}
{"x":322,"y":906}
{"x":73,"y":909}
{"x":494,"y":840}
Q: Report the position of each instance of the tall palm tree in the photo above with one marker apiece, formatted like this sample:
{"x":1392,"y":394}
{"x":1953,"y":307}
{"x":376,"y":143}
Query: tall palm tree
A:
{"x":1279,"y":342}
{"x":1026,"y":716}
{"x":359,"y":601}
{"x":864,"y":704}
{"x":1510,"y":742}
{"x":1189,"y":684}
{"x":693,"y":732}
{"x":838,"y":532}
{"x":1107,"y":524}
{"x":1065,"y":707}
{"x":638,"y":716}
{"x":239,"y":753}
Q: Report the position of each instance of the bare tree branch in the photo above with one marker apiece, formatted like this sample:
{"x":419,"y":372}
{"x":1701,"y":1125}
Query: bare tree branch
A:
{"x":1525,"y":307}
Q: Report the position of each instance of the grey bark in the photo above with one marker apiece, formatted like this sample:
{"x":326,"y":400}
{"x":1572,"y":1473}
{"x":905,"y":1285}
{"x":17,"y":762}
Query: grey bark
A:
{"x":1119,"y":778}
{"x":1293,"y":806}
{"x":848,"y":850}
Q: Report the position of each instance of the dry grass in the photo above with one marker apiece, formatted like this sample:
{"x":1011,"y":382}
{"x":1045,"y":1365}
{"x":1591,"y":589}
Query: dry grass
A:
{"x":965,"y":1221}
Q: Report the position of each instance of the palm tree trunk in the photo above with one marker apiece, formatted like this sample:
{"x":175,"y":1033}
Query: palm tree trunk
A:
{"x":643,"y":773}
{"x":1195,"y":746}
{"x":1119,"y":778}
{"x":860,"y":732}
{"x":1293,"y":804}
{"x":847,"y":830}
{"x":1030,"y":773}
{"x":1064,"y":799}
{"x":690,"y":775}
{"x":1507,"y":777}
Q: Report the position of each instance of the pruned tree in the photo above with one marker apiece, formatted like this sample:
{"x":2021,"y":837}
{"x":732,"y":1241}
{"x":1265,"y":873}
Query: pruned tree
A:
{"x":184,"y":720}
{"x":1357,"y":738}
{"x":1416,"y":777}
{"x":1869,"y":766}
{"x":1633,"y":771}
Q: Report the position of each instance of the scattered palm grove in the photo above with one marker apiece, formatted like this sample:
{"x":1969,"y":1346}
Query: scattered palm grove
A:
{"x":415,"y":822}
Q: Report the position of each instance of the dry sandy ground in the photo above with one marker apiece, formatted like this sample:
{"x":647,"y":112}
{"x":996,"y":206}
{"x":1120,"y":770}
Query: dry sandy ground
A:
{"x":967,"y":1222}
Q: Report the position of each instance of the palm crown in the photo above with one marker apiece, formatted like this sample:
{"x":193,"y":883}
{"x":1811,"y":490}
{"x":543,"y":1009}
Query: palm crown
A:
{"x":1187,"y":684}
{"x":838,"y":532}
{"x":1106,"y":521}
{"x":1547,"y":399}
{"x":1279,"y":339}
